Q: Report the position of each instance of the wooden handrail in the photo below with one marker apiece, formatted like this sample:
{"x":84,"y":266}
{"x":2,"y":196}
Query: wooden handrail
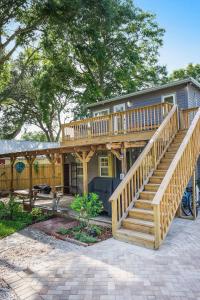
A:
{"x":137,"y":119}
{"x":128,"y":190}
{"x":187,"y":115}
{"x":169,"y":194}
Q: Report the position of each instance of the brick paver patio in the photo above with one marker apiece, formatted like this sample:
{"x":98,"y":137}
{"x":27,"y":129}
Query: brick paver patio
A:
{"x":113,"y":270}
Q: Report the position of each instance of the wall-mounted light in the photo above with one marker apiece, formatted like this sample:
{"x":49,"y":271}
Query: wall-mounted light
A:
{"x":129,"y":104}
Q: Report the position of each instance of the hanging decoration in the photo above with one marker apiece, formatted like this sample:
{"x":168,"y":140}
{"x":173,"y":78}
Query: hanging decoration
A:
{"x":19,"y":167}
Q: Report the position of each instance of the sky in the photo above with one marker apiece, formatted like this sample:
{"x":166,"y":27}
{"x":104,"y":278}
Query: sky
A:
{"x":181,"y":21}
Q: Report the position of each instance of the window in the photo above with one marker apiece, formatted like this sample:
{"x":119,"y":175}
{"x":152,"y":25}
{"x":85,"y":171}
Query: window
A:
{"x":79,"y":167}
{"x":102,"y":112}
{"x":104,"y":166}
{"x":169,"y":98}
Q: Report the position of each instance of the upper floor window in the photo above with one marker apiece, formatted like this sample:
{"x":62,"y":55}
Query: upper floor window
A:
{"x":102,"y":112}
{"x":170,"y":98}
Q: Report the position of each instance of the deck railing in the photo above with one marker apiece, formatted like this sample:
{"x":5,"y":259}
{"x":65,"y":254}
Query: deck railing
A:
{"x":128,"y":190}
{"x":187,"y":115}
{"x":169,"y":194}
{"x":120,"y":123}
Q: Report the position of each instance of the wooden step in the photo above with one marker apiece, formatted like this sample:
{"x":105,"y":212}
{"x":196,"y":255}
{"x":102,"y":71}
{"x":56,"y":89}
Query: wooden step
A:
{"x":166,"y":160}
{"x":143,"y":204}
{"x":169,"y":155}
{"x":135,"y":237}
{"x":138,"y":225}
{"x":156,"y":179}
{"x":146,"y":195}
{"x":173,"y":148}
{"x":142,"y":214}
{"x":159,"y":173}
{"x":151,"y":187}
{"x":163,"y":166}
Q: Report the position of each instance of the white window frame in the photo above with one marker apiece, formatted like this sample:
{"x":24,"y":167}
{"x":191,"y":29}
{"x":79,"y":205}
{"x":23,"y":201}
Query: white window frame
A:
{"x":99,"y":112}
{"x":115,"y":118}
{"x":169,"y":95}
{"x":100,"y":157}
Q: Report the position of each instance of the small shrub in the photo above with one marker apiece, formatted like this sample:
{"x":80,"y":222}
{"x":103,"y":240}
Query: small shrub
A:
{"x":85,"y":238}
{"x":63,"y":231}
{"x":87,"y":206}
{"x":94,"y":230}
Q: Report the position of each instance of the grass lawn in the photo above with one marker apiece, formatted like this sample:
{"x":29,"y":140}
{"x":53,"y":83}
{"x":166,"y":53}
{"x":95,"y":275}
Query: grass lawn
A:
{"x":9,"y":227}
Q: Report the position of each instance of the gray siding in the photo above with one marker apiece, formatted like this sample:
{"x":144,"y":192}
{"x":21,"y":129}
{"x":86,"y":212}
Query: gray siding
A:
{"x":193,"y":96}
{"x":149,"y":99}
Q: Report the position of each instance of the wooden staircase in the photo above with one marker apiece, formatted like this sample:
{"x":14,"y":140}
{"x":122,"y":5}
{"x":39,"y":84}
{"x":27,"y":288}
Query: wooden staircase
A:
{"x":146,"y":201}
{"x":138,"y":227}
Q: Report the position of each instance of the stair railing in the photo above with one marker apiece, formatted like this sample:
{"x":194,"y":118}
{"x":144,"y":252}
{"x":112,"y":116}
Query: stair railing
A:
{"x":128,"y":190}
{"x":169,"y":194}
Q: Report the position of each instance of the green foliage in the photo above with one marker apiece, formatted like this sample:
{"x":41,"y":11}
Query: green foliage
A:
{"x":36,"y":167}
{"x":95,"y":230}
{"x":34,"y":136}
{"x":13,"y":218}
{"x":63,"y":231}
{"x":87,"y":206}
{"x":192,"y":70}
{"x":85,"y":238}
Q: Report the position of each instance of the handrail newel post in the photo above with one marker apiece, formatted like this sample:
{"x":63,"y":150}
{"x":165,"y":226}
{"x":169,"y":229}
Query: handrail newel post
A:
{"x":114,"y":217}
{"x":156,"y":209}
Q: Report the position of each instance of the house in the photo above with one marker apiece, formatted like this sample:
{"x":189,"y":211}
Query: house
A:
{"x":140,"y":149}
{"x":185,"y":93}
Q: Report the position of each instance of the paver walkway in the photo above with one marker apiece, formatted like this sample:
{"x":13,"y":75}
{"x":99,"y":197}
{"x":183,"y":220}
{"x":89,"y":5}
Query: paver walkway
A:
{"x":113,"y":270}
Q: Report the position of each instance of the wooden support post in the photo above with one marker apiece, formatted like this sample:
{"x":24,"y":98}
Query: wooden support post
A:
{"x":85,"y":174}
{"x":30,"y":160}
{"x":124,"y":161}
{"x":62,"y":172}
{"x":12,"y":162}
{"x":52,"y":159}
{"x":194,"y":194}
{"x":84,"y":158}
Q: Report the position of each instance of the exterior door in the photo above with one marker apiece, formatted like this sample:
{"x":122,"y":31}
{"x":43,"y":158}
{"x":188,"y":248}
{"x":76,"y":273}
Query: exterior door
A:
{"x":119,"y":120}
{"x":66,"y":179}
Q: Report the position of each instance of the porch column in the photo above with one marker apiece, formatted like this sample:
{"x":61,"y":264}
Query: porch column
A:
{"x":12,"y":162}
{"x":52,"y":159}
{"x":124,"y":161}
{"x":30,"y":160}
{"x":84,"y":158}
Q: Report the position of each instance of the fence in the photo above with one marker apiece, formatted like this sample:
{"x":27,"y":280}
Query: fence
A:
{"x":41,"y":175}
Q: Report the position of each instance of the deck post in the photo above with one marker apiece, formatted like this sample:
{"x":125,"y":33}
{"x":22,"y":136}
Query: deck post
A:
{"x":30,"y":160}
{"x":84,"y":158}
{"x":85,"y":174}
{"x":12,"y":162}
{"x":124,"y":161}
{"x":52,"y":160}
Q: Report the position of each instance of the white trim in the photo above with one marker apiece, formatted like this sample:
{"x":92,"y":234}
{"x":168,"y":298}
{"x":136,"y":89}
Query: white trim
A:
{"x":117,"y":105}
{"x":99,"y":111}
{"x":99,"y":159}
{"x":169,"y":95}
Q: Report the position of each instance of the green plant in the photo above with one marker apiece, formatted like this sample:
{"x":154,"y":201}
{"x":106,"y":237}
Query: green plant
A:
{"x":63,"y":231}
{"x":84,"y":237}
{"x":9,"y":210}
{"x":94,"y":230}
{"x":87,"y":206}
{"x":36,"y":167}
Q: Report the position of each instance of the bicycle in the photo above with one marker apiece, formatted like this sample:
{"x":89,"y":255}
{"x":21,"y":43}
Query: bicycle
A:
{"x":187,"y":202}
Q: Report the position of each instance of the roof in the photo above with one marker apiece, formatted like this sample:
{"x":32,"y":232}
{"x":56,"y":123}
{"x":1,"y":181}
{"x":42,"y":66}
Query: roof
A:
{"x":149,"y":90}
{"x":12,"y":146}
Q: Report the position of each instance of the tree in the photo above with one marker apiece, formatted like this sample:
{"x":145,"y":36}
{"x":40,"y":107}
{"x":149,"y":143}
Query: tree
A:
{"x":114,"y":53}
{"x":34,"y":136}
{"x":192,"y":70}
{"x":40,"y":98}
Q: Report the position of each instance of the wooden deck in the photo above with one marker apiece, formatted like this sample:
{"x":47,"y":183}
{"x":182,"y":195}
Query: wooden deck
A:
{"x":131,"y":125}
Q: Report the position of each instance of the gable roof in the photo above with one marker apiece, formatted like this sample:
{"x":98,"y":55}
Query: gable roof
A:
{"x":149,"y":90}
{"x":12,"y":146}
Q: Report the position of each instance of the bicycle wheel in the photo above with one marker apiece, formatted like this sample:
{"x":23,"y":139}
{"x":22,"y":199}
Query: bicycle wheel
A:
{"x":186,"y":206}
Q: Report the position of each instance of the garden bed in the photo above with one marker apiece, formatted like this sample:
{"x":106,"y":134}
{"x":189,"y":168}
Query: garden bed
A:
{"x":84,"y":235}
